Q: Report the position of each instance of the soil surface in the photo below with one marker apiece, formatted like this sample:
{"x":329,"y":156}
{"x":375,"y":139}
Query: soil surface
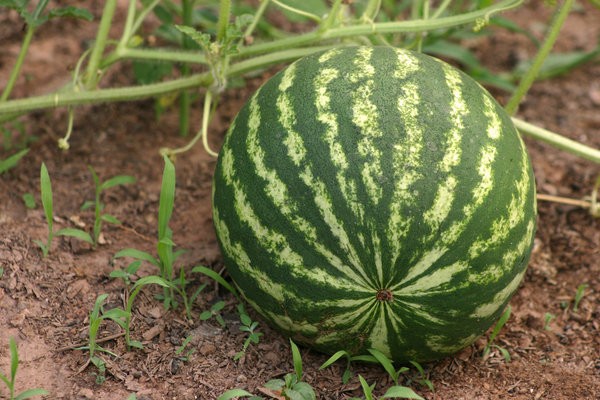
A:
{"x":45,"y":302}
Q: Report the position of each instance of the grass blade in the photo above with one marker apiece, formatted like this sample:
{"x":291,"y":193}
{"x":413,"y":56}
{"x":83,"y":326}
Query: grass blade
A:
{"x":46,"y":190}
{"x":76,"y":233}
{"x":215,"y":276}
{"x":401,"y":392}
{"x":297,"y":359}
{"x":233,"y":393}
{"x":334,"y":358}
{"x":29,"y":393}
{"x":167,"y":198}
{"x":116,"y":181}
{"x":12,"y":161}
{"x":138,"y":255}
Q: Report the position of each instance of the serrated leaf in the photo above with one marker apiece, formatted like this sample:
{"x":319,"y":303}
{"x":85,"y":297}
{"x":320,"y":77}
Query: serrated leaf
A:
{"x":70,"y":11}
{"x":202,"y":39}
{"x":76,"y":233}
{"x":401,"y":392}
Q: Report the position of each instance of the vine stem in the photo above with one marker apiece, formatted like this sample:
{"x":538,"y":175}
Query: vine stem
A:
{"x":12,"y":80}
{"x":557,"y":22}
{"x":557,"y":140}
{"x":91,"y":76}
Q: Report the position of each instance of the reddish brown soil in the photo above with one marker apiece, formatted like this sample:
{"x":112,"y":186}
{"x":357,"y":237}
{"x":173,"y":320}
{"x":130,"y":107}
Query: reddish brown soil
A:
{"x":45,"y":302}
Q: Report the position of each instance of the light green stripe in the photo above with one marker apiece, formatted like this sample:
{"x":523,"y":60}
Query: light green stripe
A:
{"x":488,"y":309}
{"x":364,"y":116}
{"x":406,"y":158}
{"x":237,"y":252}
{"x":440,"y":344}
{"x":297,"y":151}
{"x":336,"y":152}
{"x":502,"y":226}
{"x":458,"y":110}
{"x":379,"y":331}
{"x":426,"y":261}
{"x":426,"y":284}
{"x":406,"y":65}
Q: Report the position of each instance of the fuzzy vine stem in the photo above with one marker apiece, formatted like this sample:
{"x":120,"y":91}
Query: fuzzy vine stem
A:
{"x":91,"y":77}
{"x":12,"y":80}
{"x":557,"y":140}
{"x":558,"y":21}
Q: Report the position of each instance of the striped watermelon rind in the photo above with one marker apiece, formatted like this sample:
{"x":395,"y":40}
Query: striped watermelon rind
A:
{"x":371,"y":197}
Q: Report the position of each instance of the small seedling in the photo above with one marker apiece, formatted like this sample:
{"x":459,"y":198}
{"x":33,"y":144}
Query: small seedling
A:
{"x":347,"y":375}
{"x":292,"y":387}
{"x":127,"y":273}
{"x":495,"y":331}
{"x":9,"y":381}
{"x":97,"y":315}
{"x":12,"y":161}
{"x":579,"y":296}
{"x":548,"y":317}
{"x":238,"y":393}
{"x":386,"y":363}
{"x":180,"y":350}
{"x":214,"y":311}
{"x":395,"y":392}
{"x":249,"y":327}
{"x":423,"y":380}
{"x":99,"y":187}
{"x":29,"y":201}
{"x":47,"y":204}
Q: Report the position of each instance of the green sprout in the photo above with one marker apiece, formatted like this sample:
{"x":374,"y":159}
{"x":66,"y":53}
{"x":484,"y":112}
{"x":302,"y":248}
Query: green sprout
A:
{"x":249,"y":327}
{"x":99,"y":216}
{"x":579,"y":293}
{"x":292,"y":387}
{"x":9,"y":380}
{"x":495,"y":331}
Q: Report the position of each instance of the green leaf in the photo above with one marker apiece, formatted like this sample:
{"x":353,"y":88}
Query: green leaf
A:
{"x":305,"y":390}
{"x":151,"y":280}
{"x":138,"y":255}
{"x":14,"y":358}
{"x":275,"y":384}
{"x":401,"y":392}
{"x":110,"y":219}
{"x":76,"y":233}
{"x":167,"y":198}
{"x":29,"y":201}
{"x":12,"y":161}
{"x":334,"y":358}
{"x":297,"y":360}
{"x":386,"y":363}
{"x":230,"y":394}
{"x":367,"y":390}
{"x":29,"y":393}
{"x":116,"y":181}
{"x":46,"y":189}
{"x":204,"y":315}
{"x":202,"y":39}
{"x":72,"y":12}
{"x":215,"y":276}
{"x":136,"y":343}
{"x":87,"y":205}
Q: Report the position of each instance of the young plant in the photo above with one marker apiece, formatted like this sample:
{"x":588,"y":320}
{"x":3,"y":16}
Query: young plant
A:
{"x":47,"y":204}
{"x":422,"y":380}
{"x":495,"y":331}
{"x":180,"y":350}
{"x":12,"y":161}
{"x":387,"y":365}
{"x":548,"y":317}
{"x":127,"y":273}
{"x":97,"y":316}
{"x":164,"y":247}
{"x":579,"y":293}
{"x":214,"y":311}
{"x":249,"y":327}
{"x":99,"y":216}
{"x":395,"y":392}
{"x":9,"y":380}
{"x":347,"y":375}
{"x":292,"y":387}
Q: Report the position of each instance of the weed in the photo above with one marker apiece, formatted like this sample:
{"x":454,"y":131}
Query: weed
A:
{"x":127,"y":274}
{"x":579,"y":293}
{"x":47,"y":204}
{"x":29,"y":200}
{"x":394,"y":392}
{"x":214,"y":311}
{"x":423,"y":380}
{"x":548,"y":317}
{"x":249,"y":327}
{"x":180,"y":350}
{"x":347,"y":375}
{"x":495,"y":331}
{"x":9,"y":380}
{"x":97,"y":315}
{"x":99,"y":187}
{"x":12,"y":161}
{"x":291,"y":386}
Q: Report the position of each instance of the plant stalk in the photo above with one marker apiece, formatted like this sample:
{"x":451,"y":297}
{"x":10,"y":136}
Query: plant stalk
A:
{"x":558,"y":21}
{"x":91,"y":76}
{"x":557,"y":141}
{"x":14,"y":75}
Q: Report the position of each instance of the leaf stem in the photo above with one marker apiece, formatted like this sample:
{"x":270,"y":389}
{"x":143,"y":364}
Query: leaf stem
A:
{"x":558,"y":21}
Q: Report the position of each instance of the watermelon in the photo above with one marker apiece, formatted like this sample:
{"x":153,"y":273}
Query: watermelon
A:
{"x":372,"y":197}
